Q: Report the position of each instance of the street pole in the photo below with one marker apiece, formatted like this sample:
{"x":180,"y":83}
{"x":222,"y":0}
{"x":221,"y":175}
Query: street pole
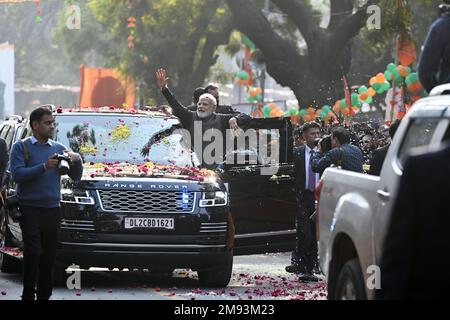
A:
{"x":263,"y":72}
{"x":263,"y":84}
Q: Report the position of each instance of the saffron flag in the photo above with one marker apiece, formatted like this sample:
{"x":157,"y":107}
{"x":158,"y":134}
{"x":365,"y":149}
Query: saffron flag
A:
{"x":347,"y":97}
{"x":406,"y":49}
{"x":106,"y":87}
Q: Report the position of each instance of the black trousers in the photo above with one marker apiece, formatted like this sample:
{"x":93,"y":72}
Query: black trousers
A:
{"x":40,"y":229}
{"x":305,"y":253}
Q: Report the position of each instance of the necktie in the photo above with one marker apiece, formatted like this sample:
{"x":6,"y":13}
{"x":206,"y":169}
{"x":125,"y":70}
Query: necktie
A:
{"x":311,"y":174}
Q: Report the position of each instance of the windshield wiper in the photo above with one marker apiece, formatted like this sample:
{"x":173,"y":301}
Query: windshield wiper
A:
{"x":157,"y":137}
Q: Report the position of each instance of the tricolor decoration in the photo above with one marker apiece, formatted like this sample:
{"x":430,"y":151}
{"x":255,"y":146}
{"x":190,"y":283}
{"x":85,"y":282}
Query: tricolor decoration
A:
{"x":131,"y":32}
{"x":38,"y":18}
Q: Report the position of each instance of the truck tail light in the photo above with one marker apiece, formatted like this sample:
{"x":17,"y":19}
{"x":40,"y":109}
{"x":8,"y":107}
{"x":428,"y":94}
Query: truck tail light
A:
{"x":317,"y":193}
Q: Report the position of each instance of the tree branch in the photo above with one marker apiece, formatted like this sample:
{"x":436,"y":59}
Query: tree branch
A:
{"x":302,"y":15}
{"x":192,"y":43}
{"x":283,"y":62}
{"x":349,"y":27}
{"x":340,"y":10}
{"x":208,"y":58}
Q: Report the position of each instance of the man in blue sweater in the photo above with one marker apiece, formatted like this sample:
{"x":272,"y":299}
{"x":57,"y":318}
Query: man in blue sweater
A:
{"x":34,"y":168}
{"x":434,"y":63}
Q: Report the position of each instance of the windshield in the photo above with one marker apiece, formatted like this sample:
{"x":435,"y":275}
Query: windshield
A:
{"x":119,"y":138}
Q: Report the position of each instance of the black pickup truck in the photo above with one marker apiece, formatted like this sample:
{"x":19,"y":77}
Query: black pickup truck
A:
{"x":144,"y":203}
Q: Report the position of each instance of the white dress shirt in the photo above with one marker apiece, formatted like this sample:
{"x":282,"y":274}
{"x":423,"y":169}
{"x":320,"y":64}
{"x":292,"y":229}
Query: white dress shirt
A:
{"x":307,"y":164}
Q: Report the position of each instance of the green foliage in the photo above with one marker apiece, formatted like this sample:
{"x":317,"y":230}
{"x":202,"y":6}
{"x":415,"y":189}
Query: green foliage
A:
{"x":413,"y":16}
{"x":170,"y":33}
{"x":91,"y":44}
{"x":39,"y":58}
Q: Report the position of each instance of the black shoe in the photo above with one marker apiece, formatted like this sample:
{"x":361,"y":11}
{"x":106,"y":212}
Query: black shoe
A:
{"x":307,"y":277}
{"x":293,"y":269}
{"x":28,"y":294}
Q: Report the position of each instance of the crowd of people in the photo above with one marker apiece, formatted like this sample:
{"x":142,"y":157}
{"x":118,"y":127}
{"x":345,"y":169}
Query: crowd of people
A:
{"x":370,"y":137}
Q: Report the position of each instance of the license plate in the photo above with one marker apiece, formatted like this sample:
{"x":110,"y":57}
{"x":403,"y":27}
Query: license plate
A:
{"x":149,"y":223}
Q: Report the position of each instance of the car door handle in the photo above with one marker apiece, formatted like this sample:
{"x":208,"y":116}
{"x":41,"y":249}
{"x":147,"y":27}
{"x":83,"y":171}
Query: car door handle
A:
{"x":384,"y":195}
{"x":280,"y":178}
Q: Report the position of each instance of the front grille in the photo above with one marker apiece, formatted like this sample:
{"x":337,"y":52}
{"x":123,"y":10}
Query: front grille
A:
{"x":146,"y":201}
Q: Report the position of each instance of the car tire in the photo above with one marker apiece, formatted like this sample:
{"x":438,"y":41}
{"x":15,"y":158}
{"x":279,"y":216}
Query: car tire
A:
{"x":217,"y":277}
{"x":350,"y":284}
{"x":8,"y":264}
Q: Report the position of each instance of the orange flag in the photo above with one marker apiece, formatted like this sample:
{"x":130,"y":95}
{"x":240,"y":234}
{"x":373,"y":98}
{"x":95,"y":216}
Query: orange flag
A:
{"x":348,"y":99}
{"x":406,"y":49}
{"x":106,"y":87}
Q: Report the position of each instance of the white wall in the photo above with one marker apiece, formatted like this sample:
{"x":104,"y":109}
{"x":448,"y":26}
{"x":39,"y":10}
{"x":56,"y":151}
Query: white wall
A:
{"x":7,"y":78}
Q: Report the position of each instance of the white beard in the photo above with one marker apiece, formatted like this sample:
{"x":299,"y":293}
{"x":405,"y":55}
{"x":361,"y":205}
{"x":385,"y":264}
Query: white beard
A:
{"x":203,"y":115}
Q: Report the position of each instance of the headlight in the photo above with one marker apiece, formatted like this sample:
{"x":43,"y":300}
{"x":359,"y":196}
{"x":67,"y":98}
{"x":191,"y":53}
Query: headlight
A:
{"x":68,"y":196}
{"x":214,"y":199}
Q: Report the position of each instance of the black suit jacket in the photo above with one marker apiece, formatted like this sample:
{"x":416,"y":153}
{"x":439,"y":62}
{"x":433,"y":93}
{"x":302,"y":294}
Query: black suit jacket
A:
{"x":222,"y":109}
{"x":3,"y":160}
{"x":376,"y":163}
{"x":300,"y":174}
{"x":416,"y":256}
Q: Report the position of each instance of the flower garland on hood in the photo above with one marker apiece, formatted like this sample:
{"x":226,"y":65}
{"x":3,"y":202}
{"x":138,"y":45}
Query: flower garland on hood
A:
{"x":148,"y":169}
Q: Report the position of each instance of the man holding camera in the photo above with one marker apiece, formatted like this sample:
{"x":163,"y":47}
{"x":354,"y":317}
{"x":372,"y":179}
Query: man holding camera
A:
{"x":343,"y":154}
{"x":304,"y":256}
{"x":36,"y":166}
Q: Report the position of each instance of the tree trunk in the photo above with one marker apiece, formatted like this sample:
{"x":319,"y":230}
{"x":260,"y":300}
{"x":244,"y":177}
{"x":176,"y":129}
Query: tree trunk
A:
{"x":192,"y":76}
{"x":315,"y":79}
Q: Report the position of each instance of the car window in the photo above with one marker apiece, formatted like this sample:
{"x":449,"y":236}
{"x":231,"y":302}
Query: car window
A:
{"x":265,"y":141}
{"x":446,"y":138}
{"x":18,"y":134}
{"x":420,"y":133}
{"x":4,"y":131}
{"x":8,"y":135}
{"x":120,"y":138}
{"x":255,"y":147}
